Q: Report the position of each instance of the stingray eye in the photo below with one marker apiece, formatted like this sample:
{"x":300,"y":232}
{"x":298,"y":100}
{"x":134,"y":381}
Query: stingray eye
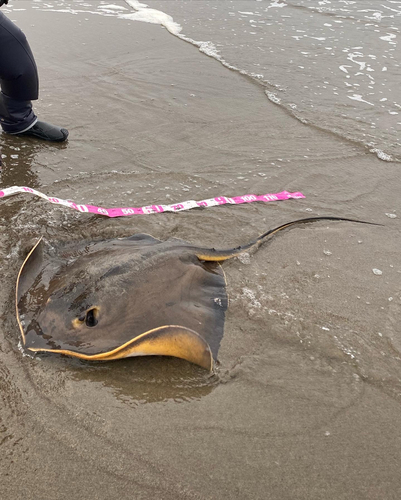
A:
{"x":91,"y":317}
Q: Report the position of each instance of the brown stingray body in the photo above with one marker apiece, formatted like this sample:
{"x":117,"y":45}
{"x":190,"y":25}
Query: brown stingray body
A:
{"x":126,"y":297}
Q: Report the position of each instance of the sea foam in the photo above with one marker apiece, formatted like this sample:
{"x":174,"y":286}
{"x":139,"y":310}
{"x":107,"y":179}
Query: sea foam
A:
{"x":145,"y":14}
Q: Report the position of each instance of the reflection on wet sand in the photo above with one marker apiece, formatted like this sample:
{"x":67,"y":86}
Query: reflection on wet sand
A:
{"x":148,"y":380}
{"x":19,"y":167}
{"x":18,"y":158}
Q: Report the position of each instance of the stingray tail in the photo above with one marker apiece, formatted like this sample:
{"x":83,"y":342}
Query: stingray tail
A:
{"x":221,"y":255}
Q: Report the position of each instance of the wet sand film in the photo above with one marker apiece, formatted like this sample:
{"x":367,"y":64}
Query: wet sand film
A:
{"x":305,"y":403}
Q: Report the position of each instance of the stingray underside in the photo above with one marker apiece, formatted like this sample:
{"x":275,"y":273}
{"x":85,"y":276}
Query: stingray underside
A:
{"x":119,"y":298}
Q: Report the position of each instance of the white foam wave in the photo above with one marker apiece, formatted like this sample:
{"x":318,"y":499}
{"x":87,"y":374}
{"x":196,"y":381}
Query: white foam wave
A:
{"x":145,"y":14}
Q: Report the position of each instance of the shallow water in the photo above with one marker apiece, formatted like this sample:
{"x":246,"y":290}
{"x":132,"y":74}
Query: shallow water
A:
{"x":305,"y":400}
{"x":332,"y":64}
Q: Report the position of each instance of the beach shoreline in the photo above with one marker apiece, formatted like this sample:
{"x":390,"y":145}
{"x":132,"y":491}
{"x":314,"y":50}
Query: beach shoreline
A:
{"x":304,"y":404}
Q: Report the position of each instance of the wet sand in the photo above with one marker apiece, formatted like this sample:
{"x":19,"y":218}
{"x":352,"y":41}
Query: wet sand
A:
{"x":305,"y":402}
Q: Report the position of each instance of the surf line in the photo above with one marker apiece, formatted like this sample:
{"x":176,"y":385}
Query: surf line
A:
{"x":153,"y":209}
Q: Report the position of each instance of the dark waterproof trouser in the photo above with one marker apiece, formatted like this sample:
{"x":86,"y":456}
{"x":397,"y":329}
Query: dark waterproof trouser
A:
{"x":18,"y":79}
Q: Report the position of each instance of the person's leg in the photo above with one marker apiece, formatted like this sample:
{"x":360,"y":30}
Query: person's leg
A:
{"x":19,"y":85}
{"x":18,"y":79}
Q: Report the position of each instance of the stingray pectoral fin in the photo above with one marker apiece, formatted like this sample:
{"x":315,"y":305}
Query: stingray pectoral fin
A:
{"x":26,"y":276}
{"x":29,"y":269}
{"x":170,"y":340}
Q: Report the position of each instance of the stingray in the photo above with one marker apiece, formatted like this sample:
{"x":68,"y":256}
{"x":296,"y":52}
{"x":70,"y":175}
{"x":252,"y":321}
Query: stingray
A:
{"x":125,"y":297}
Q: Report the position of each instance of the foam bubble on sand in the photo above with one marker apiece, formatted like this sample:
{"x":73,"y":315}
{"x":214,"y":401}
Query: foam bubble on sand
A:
{"x":112,"y":7}
{"x":358,"y":97}
{"x":277,"y":4}
{"x":381,"y":154}
{"x":244,"y":258}
{"x":273,"y":97}
{"x":24,"y":353}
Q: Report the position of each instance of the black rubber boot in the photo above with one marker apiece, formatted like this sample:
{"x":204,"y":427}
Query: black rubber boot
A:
{"x":46,"y":131}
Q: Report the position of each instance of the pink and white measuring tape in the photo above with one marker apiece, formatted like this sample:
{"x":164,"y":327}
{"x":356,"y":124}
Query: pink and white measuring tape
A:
{"x":153,"y":209}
